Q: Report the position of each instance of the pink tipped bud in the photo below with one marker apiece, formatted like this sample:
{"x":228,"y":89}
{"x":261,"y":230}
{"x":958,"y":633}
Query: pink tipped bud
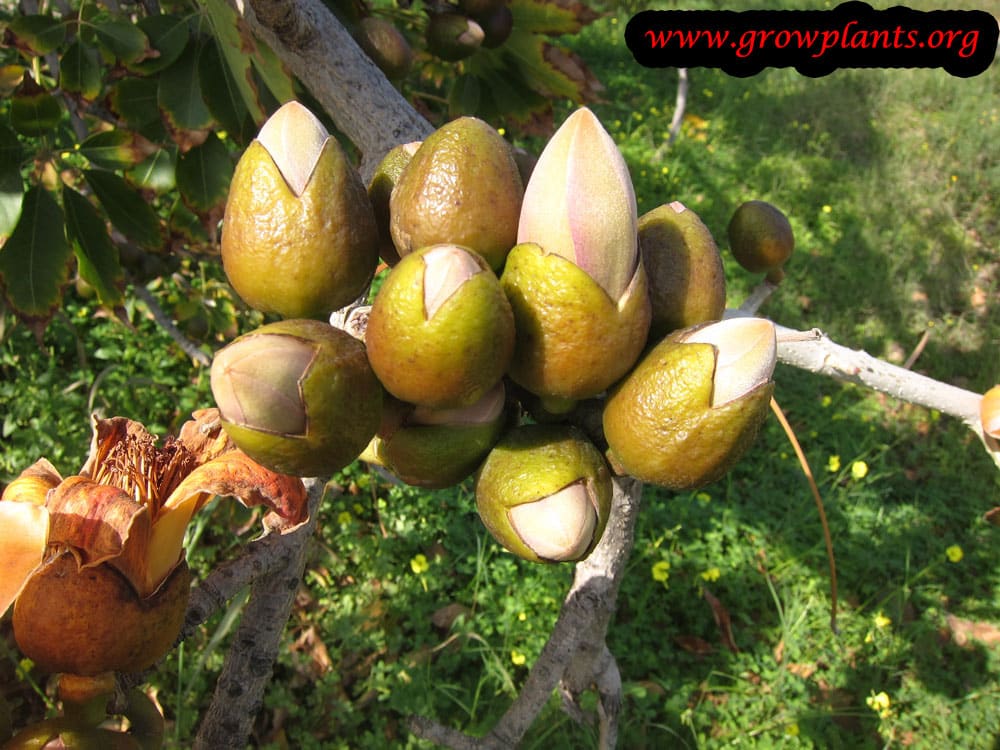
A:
{"x":746,"y":354}
{"x":580,"y":204}
{"x":558,"y":527}
{"x":294,"y":138}
{"x":485,"y":411}
{"x":447,"y":267}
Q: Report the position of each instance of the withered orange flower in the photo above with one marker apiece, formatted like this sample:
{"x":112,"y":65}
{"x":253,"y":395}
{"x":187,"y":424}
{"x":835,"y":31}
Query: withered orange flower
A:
{"x":117,"y":529}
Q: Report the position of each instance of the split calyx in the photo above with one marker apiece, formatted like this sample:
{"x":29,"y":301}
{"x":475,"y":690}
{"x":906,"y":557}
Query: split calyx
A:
{"x":513,"y":292}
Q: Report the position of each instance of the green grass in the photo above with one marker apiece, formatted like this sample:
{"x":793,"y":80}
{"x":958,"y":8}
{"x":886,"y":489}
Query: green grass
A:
{"x":891,"y":181}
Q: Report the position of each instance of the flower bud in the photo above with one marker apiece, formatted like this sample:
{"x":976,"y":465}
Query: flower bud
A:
{"x":580,"y":204}
{"x":544,"y":493}
{"x":441,"y":332}
{"x":575,"y":283}
{"x":439,"y":448}
{"x":294,"y":138}
{"x":299,"y":236}
{"x":687,"y":283}
{"x":297,"y":396}
{"x":694,"y":404}
{"x":747,"y":350}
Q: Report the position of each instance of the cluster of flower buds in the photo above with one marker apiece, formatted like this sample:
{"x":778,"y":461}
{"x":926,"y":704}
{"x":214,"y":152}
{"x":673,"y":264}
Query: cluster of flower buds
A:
{"x":509,"y":290}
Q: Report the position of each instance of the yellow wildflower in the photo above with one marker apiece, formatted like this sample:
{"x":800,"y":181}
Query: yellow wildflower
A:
{"x":859,"y":470}
{"x":517,"y":658}
{"x":833,"y":464}
{"x":712,"y":574}
{"x":419,"y":564}
{"x":880,"y":703}
{"x":954,"y":553}
{"x":661,"y":571}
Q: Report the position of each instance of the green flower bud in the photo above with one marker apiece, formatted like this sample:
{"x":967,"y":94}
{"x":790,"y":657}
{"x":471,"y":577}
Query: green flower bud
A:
{"x":438,"y":448}
{"x":544,"y":493}
{"x":580,"y":204}
{"x":297,"y":396}
{"x":575,"y":280}
{"x":694,"y":404}
{"x":299,"y":237}
{"x":440,"y":333}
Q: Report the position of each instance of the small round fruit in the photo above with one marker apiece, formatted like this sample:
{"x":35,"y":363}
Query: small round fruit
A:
{"x":386,"y":46}
{"x":544,"y":493}
{"x":453,"y":36}
{"x":297,"y":396}
{"x":760,"y":237}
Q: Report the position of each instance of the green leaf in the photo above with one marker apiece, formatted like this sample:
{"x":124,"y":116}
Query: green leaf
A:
{"x":35,"y":35}
{"x":158,"y":172}
{"x":34,"y":262}
{"x":180,"y":93}
{"x":237,"y":45}
{"x":222,"y":95}
{"x":11,"y":183}
{"x":96,"y":255}
{"x":122,"y":39}
{"x":11,"y":197}
{"x":168,"y":34}
{"x":528,"y":53}
{"x":127,"y":210}
{"x":136,"y":100}
{"x":80,"y":71}
{"x":551,"y":16}
{"x":204,"y":173}
{"x":273,"y":73}
{"x":115,"y":149}
{"x":33,"y":110}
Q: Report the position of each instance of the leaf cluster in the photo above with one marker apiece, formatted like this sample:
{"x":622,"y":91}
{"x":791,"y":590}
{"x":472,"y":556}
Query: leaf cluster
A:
{"x":117,"y":129}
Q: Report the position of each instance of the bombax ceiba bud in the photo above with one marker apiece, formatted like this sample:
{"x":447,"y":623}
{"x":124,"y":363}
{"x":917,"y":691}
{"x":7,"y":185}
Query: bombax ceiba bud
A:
{"x":544,"y":493}
{"x":297,"y":396}
{"x":694,"y":404}
{"x":441,"y":332}
{"x":438,"y":448}
{"x":575,"y":280}
{"x":299,"y":236}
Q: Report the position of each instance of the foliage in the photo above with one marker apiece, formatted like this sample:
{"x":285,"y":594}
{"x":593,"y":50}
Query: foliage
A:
{"x":116,"y":138}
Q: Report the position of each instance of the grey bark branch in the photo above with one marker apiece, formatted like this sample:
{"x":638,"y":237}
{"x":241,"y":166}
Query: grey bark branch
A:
{"x":353,"y":91}
{"x":250,"y":660}
{"x":576,"y":656}
{"x":814,"y":351}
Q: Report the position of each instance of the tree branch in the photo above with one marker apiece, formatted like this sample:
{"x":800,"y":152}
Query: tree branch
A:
{"x":576,"y":654}
{"x":250,"y":660}
{"x":353,"y":91}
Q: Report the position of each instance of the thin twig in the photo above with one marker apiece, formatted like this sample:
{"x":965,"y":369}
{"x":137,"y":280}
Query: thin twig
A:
{"x":917,"y":351}
{"x":680,"y":104}
{"x":804,"y":463}
{"x":163,"y":320}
